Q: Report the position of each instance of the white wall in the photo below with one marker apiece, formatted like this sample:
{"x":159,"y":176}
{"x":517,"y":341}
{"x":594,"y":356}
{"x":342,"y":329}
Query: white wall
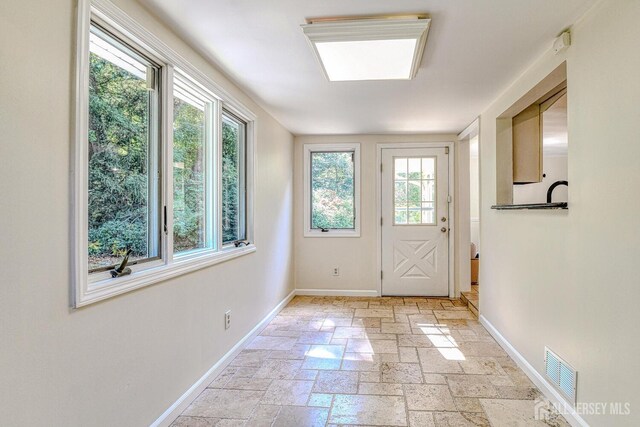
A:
{"x":123,"y":361}
{"x":569,"y":279}
{"x":474,"y":190}
{"x":356,"y":257}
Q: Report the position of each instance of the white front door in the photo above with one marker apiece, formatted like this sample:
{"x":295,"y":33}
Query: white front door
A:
{"x":415,"y":221}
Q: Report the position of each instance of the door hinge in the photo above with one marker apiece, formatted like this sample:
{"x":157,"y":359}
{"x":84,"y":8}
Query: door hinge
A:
{"x":380,"y":167}
{"x":448,"y":199}
{"x":446,"y":150}
{"x":381,"y":275}
{"x":380,"y":220}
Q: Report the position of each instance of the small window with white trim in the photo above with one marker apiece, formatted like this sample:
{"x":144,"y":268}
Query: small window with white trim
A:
{"x":332,"y":190}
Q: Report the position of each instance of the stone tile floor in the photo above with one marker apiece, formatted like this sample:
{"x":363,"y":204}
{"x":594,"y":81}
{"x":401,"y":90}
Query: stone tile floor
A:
{"x":327,"y":361}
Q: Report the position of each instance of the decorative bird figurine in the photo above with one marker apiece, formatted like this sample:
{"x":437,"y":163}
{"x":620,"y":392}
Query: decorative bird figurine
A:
{"x":122,"y":269}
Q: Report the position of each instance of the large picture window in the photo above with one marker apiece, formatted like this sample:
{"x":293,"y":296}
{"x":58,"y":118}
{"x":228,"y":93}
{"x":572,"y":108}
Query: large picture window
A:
{"x":331,"y":190}
{"x":162,"y":161}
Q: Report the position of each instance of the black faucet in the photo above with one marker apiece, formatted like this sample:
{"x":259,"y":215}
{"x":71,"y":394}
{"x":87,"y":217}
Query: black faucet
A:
{"x":553,"y":187}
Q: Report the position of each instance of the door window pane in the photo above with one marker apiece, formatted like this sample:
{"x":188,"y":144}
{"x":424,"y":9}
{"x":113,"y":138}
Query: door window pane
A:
{"x":233,"y":178}
{"x":414,"y":190}
{"x":123,"y":186}
{"x":191,"y":131}
{"x":332,"y":190}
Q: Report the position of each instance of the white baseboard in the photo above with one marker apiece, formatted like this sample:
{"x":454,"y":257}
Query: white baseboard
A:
{"x":545,"y":387}
{"x":337,"y":292}
{"x":189,"y":396}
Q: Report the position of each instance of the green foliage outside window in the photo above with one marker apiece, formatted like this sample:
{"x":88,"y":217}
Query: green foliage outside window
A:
{"x":332,"y":190}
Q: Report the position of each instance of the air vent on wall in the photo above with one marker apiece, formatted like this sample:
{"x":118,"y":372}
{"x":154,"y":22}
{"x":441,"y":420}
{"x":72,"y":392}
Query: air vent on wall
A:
{"x":562,"y":375}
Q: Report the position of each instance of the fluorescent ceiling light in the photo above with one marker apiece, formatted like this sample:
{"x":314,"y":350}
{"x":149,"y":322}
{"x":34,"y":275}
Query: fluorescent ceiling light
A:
{"x":369,"y":49}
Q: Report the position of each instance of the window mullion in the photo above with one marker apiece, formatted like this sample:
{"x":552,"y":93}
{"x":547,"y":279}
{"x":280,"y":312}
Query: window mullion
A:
{"x":167,"y":162}
{"x":217,"y":176}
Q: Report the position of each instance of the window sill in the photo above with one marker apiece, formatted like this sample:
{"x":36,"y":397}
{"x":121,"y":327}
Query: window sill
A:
{"x":532,"y":206}
{"x":107,"y":288}
{"x":332,"y":233}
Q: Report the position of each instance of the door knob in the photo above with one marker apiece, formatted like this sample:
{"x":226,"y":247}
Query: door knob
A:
{"x":443,"y":219}
{"x":443,"y":229}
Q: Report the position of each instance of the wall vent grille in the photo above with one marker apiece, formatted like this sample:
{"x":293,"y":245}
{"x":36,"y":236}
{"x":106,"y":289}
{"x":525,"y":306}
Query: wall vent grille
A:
{"x":562,"y":375}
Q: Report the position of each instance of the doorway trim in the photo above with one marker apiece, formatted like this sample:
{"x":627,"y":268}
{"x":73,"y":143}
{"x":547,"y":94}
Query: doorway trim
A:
{"x":452,"y":217}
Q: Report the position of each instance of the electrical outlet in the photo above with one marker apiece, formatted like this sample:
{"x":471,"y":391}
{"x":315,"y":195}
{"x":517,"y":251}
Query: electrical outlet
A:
{"x":227,"y":319}
{"x":336,"y":271}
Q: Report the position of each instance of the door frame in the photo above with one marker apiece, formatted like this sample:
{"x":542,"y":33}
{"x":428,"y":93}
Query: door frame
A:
{"x":452,"y":217}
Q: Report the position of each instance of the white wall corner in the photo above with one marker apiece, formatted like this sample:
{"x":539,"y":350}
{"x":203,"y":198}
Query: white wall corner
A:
{"x":545,"y":387}
{"x":172,"y":413}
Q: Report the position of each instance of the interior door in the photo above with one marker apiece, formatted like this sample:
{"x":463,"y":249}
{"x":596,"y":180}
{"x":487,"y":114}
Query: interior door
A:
{"x":415,"y":221}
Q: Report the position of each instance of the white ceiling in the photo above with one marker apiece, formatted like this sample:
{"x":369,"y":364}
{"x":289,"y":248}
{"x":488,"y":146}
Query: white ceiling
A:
{"x":474,"y":50}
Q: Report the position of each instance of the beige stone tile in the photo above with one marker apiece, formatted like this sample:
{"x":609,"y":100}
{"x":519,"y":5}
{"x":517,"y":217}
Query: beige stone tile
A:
{"x":336,"y":321}
{"x":263,"y":416}
{"x":434,"y":378}
{"x":444,"y":315}
{"x":323,"y":357}
{"x":468,"y":404}
{"x":366,"y":322}
{"x":414,"y":341}
{"x":224,"y":404}
{"x":406,"y":309}
{"x":395,"y":328}
{"x":272,"y":343}
{"x":434,"y":362}
{"x":408,"y":354}
{"x":405,"y":373}
{"x":321,"y":400}
{"x":315,"y":337}
{"x":223,"y":377}
{"x":279,"y":369}
{"x":182,"y":421}
{"x":297,"y":416}
{"x":287,"y":392}
{"x":239,"y":383}
{"x":372,"y":346}
{"x":374,"y":312}
{"x":350,"y":332}
{"x":306,"y":374}
{"x":339,"y":341}
{"x":471,"y":386}
{"x":421,"y":419}
{"x":298,"y":351}
{"x":383,"y":389}
{"x":361,"y":362}
{"x":370,"y":377}
{"x":482,"y":366}
{"x":460,"y":419}
{"x":518,"y":393}
{"x":368,"y":410}
{"x":483,"y":349}
{"x":231,"y":423}
{"x":503,"y":412}
{"x":336,"y":382}
{"x":429,"y":397}
{"x":252,"y":358}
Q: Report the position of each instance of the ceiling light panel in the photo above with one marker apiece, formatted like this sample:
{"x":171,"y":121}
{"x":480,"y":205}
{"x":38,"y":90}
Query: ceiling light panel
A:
{"x":369,"y":49}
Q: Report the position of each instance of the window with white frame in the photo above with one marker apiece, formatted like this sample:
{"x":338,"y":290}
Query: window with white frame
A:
{"x":163,"y":161}
{"x":332,"y":190}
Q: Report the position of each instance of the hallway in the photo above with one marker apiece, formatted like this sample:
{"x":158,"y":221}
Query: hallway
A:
{"x":370,"y":361}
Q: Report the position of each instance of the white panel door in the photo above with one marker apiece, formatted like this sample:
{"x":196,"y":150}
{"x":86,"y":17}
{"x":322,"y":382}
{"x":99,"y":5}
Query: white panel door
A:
{"x":415,"y":221}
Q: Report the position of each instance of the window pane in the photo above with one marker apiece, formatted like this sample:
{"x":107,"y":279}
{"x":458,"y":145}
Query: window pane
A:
{"x":189,"y":169}
{"x":414,"y":184}
{"x":122,"y":181}
{"x":233,"y":178}
{"x":332,"y":190}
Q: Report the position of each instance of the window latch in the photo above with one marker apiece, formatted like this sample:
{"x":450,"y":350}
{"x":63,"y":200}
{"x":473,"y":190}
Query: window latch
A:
{"x":122,"y":269}
{"x":240,"y":243}
{"x":324,"y":230}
